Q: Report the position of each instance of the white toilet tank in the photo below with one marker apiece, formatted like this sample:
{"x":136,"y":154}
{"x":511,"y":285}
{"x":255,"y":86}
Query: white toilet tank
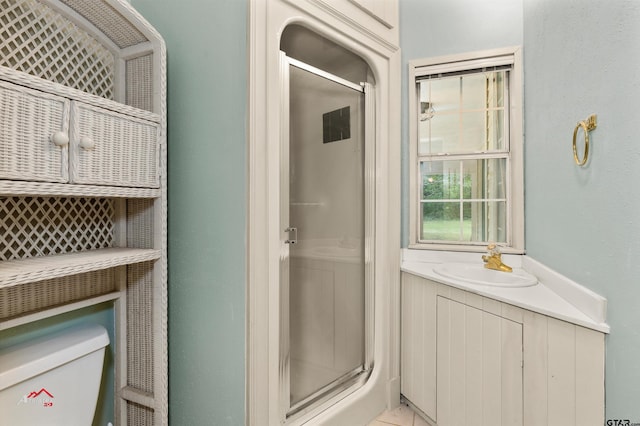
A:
{"x":53,"y":380}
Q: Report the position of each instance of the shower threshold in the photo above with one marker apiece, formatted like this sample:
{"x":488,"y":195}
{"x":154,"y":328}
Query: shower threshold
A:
{"x":357,"y":376}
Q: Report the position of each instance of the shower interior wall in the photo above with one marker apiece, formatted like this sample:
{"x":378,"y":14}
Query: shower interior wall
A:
{"x":322,"y":204}
{"x":333,"y":171}
{"x":326,"y":206}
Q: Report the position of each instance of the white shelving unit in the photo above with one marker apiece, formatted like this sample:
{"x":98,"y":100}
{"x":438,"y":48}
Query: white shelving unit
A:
{"x":25,"y":271}
{"x":83,"y":180}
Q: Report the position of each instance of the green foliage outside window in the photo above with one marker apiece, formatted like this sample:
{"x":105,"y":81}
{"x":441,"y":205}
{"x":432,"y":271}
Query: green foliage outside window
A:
{"x":446,"y":187}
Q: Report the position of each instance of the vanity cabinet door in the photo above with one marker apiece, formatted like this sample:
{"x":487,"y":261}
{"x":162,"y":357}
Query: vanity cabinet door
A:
{"x":33,"y":135}
{"x":479,"y":367}
{"x":418,"y":350}
{"x":109,"y":148}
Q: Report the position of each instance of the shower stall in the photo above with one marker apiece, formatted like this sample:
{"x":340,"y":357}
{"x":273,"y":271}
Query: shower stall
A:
{"x":326,"y":212}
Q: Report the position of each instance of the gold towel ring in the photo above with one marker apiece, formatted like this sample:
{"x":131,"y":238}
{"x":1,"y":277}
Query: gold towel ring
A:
{"x":586,"y":125}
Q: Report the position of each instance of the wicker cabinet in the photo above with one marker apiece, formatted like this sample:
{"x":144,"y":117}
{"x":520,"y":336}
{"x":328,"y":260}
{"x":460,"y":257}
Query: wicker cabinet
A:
{"x":83,"y":181}
{"x":109,"y":148}
{"x":29,"y":120}
{"x":54,"y":139}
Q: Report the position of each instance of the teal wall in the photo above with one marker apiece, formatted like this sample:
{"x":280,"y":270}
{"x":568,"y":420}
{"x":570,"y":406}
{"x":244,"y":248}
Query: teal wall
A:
{"x":103,"y":315}
{"x":581,"y":57}
{"x":207,"y":99}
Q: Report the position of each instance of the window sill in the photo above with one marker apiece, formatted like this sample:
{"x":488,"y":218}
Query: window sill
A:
{"x":462,"y":248}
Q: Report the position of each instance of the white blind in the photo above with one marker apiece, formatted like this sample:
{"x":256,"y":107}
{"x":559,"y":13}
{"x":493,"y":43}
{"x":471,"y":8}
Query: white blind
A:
{"x":472,"y":65}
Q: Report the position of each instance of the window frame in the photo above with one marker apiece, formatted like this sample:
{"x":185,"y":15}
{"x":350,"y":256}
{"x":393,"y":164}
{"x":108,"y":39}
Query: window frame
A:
{"x":515,"y":170}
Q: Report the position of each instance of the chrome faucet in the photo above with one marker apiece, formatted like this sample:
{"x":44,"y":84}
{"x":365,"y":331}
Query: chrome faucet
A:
{"x":493,"y":259}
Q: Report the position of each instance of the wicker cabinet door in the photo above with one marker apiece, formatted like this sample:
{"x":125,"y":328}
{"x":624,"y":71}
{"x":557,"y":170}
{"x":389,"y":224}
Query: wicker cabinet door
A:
{"x":109,"y":148}
{"x":34,"y":135}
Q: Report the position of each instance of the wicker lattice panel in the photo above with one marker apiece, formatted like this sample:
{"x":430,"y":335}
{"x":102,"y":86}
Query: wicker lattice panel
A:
{"x":21,"y":300}
{"x":139,"y":415}
{"x":140,"y":326}
{"x":140,"y":223}
{"x":139,"y":83}
{"x":109,"y":21}
{"x":39,"y":41}
{"x":42,"y":226}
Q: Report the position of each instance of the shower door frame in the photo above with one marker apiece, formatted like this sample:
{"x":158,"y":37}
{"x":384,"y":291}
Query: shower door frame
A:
{"x":267,"y":20}
{"x":351,"y":381}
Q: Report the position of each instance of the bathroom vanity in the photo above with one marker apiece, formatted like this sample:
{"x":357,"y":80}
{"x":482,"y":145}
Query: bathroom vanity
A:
{"x":83,"y":181}
{"x":482,"y":355}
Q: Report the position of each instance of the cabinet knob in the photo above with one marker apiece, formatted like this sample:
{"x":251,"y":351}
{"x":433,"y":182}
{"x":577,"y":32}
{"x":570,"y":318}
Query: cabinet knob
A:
{"x":86,"y":142}
{"x":60,"y":139}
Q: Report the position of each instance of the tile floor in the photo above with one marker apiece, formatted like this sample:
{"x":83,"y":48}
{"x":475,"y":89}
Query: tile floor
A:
{"x":401,"y":416}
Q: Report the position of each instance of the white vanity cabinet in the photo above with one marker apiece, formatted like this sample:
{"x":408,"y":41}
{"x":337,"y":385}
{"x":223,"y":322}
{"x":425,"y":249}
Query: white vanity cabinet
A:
{"x":478,"y":366}
{"x":468,"y":359}
{"x":50,"y":138}
{"x":83,"y":197}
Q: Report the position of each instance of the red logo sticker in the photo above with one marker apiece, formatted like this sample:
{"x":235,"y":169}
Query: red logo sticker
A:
{"x":42,"y":396}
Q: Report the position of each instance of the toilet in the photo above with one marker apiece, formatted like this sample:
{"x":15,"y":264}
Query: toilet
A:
{"x":53,"y":380}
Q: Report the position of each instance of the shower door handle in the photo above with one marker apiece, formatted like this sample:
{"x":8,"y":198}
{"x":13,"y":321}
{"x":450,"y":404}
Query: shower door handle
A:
{"x":293,"y":235}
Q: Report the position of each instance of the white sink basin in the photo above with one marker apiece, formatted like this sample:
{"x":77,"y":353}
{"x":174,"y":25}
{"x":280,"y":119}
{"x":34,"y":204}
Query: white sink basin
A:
{"x":472,"y":273}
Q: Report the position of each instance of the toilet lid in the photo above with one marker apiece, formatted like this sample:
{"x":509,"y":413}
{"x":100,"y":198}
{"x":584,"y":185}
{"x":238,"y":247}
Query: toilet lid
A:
{"x":34,"y":357}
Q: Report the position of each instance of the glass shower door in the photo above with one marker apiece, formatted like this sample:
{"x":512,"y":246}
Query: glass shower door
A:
{"x":323,"y":275}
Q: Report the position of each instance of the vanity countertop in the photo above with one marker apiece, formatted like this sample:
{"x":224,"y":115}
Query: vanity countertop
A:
{"x":554,"y":295}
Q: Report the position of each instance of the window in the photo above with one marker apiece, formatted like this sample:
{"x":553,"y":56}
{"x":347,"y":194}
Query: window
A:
{"x":466,"y":151}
